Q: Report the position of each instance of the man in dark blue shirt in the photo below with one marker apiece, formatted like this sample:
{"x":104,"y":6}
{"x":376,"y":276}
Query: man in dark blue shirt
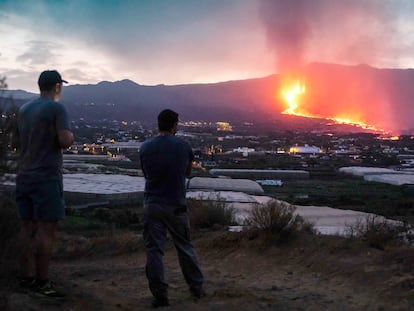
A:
{"x":166,"y":161}
{"x":43,"y":131}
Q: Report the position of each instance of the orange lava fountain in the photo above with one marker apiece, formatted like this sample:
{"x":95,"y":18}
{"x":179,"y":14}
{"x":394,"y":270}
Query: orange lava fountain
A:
{"x":291,"y":95}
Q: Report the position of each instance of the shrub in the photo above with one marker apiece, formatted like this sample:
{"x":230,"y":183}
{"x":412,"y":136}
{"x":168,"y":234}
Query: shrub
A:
{"x":379,"y":232}
{"x":74,"y":223}
{"x":101,"y":218}
{"x":210,"y":213}
{"x":277,"y":220}
{"x":272,"y":217}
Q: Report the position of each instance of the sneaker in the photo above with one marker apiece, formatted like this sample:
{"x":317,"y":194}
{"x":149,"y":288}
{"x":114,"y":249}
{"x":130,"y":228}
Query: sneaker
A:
{"x":198,"y":293}
{"x":160,"y":302}
{"x":47,"y":290}
{"x":26,"y":284}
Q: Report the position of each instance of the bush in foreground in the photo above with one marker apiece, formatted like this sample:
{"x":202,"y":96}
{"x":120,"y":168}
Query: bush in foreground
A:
{"x":277,"y":220}
{"x":379,"y":232}
{"x":210,"y":213}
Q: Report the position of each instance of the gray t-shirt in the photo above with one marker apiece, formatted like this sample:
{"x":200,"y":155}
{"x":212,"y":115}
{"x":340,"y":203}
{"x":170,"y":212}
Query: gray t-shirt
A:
{"x":164,"y":161}
{"x":39,"y":123}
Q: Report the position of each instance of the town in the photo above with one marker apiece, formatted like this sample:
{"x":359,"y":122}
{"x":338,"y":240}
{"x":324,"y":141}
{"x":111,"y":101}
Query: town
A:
{"x":303,"y":166}
{"x":245,"y":145}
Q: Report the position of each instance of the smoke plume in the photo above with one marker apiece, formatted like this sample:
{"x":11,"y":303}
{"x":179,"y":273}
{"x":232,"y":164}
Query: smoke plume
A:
{"x":346,"y":32}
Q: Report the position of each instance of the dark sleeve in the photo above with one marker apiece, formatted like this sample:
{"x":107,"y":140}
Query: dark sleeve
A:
{"x":141,"y":161}
{"x":62,"y":119}
{"x":190,"y":154}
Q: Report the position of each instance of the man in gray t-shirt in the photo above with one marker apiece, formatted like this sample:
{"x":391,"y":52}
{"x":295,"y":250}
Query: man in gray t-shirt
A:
{"x":166,"y":160}
{"x":43,"y":131}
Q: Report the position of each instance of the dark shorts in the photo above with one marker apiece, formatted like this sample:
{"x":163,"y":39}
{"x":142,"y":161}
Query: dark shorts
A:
{"x":40,"y":200}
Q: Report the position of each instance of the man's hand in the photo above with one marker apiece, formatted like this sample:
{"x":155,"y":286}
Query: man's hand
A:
{"x":189,"y":169}
{"x":66,"y":139}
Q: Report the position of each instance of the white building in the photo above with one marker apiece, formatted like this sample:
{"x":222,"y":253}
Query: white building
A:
{"x":244,"y":150}
{"x":305,"y":150}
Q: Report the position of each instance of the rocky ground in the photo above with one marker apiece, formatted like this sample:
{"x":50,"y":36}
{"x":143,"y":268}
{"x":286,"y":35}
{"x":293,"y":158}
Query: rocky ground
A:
{"x":243,"y":272}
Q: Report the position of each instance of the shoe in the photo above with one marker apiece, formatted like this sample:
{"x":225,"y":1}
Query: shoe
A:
{"x":160,"y":302}
{"x":198,"y":293}
{"x":26,"y":284}
{"x":47,"y":290}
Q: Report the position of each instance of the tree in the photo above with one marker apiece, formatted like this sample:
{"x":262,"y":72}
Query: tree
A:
{"x":8,"y":123}
{"x":3,"y":84}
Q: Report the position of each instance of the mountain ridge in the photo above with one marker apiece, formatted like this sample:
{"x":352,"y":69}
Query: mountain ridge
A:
{"x":378,"y":96}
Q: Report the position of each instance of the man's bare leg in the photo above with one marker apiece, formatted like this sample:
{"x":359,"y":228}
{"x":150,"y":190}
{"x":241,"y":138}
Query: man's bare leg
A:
{"x":27,"y":258}
{"x":45,"y":240}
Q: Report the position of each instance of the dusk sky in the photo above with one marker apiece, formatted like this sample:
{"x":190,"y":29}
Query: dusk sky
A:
{"x":192,"y":41}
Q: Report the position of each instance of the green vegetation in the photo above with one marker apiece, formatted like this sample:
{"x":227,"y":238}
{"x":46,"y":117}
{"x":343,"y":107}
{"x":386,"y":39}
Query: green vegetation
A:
{"x":259,"y":162}
{"x":348,"y":193}
{"x":89,"y":221}
{"x":75,"y":224}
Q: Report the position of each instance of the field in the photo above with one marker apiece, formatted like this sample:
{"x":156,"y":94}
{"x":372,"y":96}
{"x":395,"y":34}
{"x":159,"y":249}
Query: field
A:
{"x":395,"y":202}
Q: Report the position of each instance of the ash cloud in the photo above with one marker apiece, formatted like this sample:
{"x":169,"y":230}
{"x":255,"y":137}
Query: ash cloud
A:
{"x":347,"y":32}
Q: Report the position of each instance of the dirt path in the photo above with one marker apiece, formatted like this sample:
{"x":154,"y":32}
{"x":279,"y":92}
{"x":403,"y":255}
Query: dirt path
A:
{"x":241,"y":276}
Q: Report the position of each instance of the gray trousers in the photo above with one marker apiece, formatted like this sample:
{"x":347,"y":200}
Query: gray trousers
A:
{"x":158,"y":218}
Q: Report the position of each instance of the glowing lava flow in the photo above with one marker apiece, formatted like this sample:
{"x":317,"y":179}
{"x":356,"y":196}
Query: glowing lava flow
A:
{"x":291,"y":95}
{"x":357,"y":124}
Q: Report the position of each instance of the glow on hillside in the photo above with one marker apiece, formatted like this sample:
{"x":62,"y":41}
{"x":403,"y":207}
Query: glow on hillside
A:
{"x":293,"y":94}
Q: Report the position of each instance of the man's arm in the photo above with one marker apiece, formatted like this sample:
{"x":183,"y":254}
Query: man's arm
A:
{"x":65,"y":138}
{"x":142,"y":164}
{"x":65,"y":135}
{"x":190,"y":162}
{"x":189,"y":169}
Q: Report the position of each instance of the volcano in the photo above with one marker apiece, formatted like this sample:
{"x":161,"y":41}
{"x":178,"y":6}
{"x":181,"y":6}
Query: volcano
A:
{"x":380,"y":98}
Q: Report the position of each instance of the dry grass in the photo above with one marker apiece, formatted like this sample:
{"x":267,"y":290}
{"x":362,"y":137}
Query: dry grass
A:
{"x":380,"y":233}
{"x":276,"y":220}
{"x":213,"y":213}
{"x":108,"y":244}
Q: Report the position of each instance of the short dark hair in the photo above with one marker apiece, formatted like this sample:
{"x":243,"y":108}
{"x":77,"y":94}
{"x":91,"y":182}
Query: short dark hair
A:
{"x":166,"y":119}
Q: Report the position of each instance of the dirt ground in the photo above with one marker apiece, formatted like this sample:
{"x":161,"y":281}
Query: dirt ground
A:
{"x":242,"y":273}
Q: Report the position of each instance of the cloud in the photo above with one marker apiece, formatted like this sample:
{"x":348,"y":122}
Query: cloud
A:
{"x":24,"y":79}
{"x":182,"y":41}
{"x":150,"y":42}
{"x":39,"y":53}
{"x":83,"y":73}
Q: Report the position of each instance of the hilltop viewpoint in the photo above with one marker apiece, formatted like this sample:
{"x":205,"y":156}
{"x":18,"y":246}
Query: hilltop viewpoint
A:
{"x":99,"y":265}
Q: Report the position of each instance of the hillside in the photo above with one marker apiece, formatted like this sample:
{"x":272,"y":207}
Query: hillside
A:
{"x":310,"y":273}
{"x":380,"y":97}
{"x":126,"y":100}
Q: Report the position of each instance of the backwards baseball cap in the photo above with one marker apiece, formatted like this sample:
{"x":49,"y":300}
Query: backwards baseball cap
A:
{"x":50,"y":77}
